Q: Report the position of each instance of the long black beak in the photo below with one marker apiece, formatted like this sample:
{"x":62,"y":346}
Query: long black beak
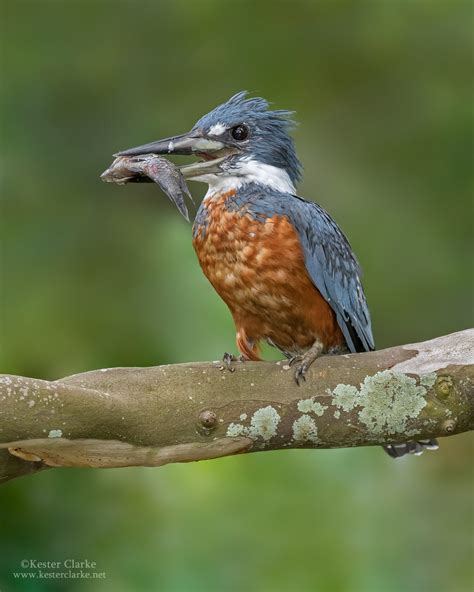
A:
{"x":193,"y":142}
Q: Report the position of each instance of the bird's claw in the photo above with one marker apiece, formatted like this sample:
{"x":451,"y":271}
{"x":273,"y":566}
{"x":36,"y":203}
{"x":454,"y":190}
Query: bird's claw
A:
{"x":305,"y":361}
{"x":300,"y":373}
{"x":294,"y":359}
{"x":300,"y":369}
{"x":229,"y":360}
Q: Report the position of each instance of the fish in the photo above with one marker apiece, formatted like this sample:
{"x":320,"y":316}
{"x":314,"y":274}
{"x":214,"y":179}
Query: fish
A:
{"x":151,"y":168}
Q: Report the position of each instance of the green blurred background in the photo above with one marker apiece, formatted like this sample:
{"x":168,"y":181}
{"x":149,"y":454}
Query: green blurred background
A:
{"x":95,"y":275}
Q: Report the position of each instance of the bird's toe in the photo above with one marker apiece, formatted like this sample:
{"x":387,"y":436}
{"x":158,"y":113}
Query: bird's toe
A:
{"x":229,"y":361}
{"x":300,"y":373}
{"x":294,"y":359}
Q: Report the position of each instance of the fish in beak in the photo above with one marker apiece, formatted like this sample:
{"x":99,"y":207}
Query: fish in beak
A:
{"x":151,"y":168}
{"x":211,"y":150}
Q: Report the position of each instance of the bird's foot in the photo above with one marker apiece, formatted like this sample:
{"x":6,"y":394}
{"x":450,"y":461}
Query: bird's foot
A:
{"x":292,"y":361}
{"x":304,"y":362}
{"x":300,"y":373}
{"x":229,"y":361}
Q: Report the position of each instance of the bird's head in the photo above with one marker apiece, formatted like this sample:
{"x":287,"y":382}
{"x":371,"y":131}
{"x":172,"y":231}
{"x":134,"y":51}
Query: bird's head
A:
{"x":238,"y":142}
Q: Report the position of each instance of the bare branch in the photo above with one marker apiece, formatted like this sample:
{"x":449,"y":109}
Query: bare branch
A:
{"x":186,"y":412}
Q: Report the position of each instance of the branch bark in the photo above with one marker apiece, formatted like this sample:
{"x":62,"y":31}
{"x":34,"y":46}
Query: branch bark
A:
{"x":121,"y":417}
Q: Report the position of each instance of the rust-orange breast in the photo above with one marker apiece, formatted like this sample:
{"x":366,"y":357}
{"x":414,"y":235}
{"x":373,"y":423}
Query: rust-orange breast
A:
{"x":258,"y":269}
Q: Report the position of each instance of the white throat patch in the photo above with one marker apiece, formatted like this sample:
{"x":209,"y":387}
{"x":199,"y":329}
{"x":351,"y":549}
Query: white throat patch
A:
{"x":249,"y":171}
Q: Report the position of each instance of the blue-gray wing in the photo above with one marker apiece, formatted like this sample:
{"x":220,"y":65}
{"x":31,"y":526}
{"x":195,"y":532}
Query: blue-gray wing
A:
{"x":334,"y":271}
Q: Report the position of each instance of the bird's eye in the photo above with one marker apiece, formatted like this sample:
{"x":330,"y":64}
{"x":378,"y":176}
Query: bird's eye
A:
{"x":240,"y":132}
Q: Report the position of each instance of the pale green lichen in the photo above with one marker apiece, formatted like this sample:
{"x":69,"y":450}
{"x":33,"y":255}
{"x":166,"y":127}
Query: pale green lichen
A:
{"x":235,"y":429}
{"x":263,"y":425}
{"x":310,"y":405}
{"x":428,"y":380}
{"x":345,"y":397}
{"x":305,"y":430}
{"x":55,"y":433}
{"x":412,"y":433}
{"x":390,"y":399}
{"x":386,"y":400}
{"x":337,"y":414}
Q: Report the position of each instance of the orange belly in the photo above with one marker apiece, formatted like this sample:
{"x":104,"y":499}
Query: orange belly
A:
{"x":258,"y":270}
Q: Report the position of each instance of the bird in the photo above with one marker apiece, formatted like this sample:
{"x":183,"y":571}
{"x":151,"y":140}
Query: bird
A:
{"x":280,"y":262}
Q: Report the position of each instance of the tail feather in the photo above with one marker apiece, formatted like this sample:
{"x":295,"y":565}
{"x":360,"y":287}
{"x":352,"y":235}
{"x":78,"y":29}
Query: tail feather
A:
{"x":415,"y":447}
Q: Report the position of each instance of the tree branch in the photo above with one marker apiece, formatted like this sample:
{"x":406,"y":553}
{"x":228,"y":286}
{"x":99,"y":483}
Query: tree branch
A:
{"x":185,"y":412}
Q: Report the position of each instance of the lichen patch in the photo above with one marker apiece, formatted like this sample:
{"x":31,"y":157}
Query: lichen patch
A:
{"x":345,"y":396}
{"x":412,"y":433}
{"x":428,"y":380}
{"x":305,"y":430}
{"x":236,"y":429}
{"x":390,"y":399}
{"x":387,"y":400}
{"x":55,"y":433}
{"x":311,"y":406}
{"x":263,"y":425}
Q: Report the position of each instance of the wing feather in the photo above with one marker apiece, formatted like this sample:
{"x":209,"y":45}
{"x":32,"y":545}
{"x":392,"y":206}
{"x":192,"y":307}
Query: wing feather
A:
{"x":334,"y":270}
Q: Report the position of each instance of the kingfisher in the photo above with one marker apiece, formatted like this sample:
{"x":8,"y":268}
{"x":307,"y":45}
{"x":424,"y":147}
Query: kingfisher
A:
{"x":281,"y":264}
